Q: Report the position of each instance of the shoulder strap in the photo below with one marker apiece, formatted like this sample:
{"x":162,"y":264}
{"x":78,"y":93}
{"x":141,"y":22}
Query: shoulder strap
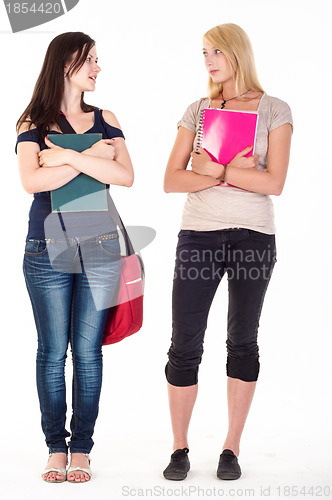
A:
{"x":64,"y":125}
{"x":117,"y":219}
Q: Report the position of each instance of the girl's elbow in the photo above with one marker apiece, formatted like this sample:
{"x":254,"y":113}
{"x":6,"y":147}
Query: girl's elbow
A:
{"x":28,"y":187}
{"x":168,"y":188}
{"x":129,"y":180}
{"x":275,"y":185}
{"x":278,"y":188}
{"x":31,"y":186}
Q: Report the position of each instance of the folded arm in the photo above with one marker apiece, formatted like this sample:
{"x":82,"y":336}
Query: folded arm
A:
{"x":242,"y":171}
{"x":35,"y":179}
{"x":108,"y":161}
{"x":177,"y":178}
{"x":273,"y":179}
{"x":109,"y":171}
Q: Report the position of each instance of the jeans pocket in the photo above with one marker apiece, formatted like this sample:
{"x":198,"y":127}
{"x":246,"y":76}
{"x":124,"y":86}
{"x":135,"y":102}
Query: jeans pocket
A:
{"x":110,"y":247}
{"x":35,"y":247}
{"x":257,"y":235}
{"x":186,"y":232}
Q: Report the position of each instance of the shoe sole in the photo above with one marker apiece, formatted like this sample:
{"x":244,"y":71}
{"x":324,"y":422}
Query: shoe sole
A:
{"x":229,"y":475}
{"x":175,"y":476}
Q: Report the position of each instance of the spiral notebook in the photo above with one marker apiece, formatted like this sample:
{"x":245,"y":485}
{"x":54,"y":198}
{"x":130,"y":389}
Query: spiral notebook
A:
{"x":223,"y":133}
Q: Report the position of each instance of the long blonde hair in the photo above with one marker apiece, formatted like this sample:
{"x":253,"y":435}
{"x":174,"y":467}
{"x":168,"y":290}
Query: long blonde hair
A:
{"x":234,"y":42}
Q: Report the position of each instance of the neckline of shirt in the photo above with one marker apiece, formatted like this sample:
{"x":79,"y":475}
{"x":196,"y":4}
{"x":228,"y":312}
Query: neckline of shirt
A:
{"x":255,"y":111}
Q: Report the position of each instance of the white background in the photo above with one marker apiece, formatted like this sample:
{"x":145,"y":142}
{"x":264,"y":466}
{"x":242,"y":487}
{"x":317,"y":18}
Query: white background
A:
{"x":152,"y":69}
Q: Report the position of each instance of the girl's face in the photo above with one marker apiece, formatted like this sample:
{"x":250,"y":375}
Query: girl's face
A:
{"x":216,"y":64}
{"x":84,"y":80}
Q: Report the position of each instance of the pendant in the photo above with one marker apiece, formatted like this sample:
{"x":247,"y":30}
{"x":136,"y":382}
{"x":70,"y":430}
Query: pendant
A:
{"x":223,"y":105}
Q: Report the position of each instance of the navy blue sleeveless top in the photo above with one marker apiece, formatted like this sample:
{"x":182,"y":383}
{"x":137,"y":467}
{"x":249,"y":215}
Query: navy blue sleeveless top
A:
{"x":79,"y":223}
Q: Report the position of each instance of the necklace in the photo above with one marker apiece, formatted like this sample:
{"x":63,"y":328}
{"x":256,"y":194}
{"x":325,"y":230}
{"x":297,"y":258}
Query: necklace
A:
{"x":226,"y":100}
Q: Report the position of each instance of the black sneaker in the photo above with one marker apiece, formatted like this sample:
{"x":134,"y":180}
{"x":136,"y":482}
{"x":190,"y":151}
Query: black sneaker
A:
{"x":178,"y":466}
{"x":228,"y":467}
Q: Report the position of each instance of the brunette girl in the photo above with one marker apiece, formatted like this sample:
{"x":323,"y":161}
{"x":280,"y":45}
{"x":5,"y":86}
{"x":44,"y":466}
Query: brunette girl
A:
{"x":70,"y":293}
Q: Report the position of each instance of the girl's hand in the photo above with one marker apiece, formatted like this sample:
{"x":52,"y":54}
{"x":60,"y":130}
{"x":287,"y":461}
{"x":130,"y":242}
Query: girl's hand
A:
{"x":103,"y":149}
{"x":241,"y":161}
{"x":201,"y":163}
{"x":55,"y":156}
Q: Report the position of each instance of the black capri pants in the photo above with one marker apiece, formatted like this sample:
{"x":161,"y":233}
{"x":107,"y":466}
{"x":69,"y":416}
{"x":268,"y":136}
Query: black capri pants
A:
{"x":202,"y":258}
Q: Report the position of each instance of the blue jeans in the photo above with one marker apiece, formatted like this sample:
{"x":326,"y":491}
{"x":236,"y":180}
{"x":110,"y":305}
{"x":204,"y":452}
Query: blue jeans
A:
{"x":71,"y":282}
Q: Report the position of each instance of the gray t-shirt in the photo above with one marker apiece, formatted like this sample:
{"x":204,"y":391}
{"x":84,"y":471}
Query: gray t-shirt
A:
{"x":221,"y":207}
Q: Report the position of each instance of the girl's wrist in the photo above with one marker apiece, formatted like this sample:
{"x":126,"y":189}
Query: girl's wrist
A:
{"x":222,"y":174}
{"x":215,"y":169}
{"x":73,"y":156}
{"x":88,"y":152}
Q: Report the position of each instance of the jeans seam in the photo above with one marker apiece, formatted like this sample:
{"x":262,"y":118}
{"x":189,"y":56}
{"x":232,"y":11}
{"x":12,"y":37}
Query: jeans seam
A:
{"x":74,"y":395}
{"x":264,"y":291}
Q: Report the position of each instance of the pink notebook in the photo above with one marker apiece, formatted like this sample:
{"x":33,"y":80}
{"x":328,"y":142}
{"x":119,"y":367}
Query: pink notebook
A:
{"x":224,"y":133}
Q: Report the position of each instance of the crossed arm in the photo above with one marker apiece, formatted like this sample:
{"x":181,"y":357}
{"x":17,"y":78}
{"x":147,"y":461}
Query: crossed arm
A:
{"x":241,"y":171}
{"x":107,"y":161}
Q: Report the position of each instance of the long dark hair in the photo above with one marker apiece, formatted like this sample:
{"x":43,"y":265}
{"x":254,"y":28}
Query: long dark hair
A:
{"x":44,"y":107}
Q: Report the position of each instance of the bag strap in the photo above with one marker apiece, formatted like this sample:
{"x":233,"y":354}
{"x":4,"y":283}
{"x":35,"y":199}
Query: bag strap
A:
{"x":66,"y":128}
{"x":117,"y":219}
{"x":64,"y":125}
